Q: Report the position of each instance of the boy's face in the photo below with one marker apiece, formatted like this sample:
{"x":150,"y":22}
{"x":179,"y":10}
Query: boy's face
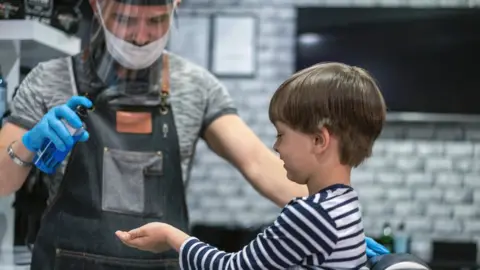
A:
{"x":297,"y":150}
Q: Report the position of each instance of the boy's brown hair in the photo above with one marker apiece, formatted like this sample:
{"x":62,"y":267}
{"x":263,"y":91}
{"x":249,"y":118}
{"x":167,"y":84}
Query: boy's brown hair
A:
{"x":344,"y":99}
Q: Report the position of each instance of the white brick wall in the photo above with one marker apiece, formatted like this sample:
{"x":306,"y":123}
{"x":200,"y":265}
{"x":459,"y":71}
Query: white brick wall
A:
{"x":424,"y":174}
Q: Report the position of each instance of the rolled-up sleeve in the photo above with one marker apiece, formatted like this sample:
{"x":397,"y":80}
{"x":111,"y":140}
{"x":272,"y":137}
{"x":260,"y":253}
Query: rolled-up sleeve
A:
{"x":28,"y":107}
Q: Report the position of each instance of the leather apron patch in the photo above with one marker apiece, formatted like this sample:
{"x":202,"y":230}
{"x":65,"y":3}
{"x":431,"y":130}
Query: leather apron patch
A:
{"x":134,"y":122}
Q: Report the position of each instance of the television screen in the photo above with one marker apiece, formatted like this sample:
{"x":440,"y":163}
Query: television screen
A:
{"x":426,"y":61}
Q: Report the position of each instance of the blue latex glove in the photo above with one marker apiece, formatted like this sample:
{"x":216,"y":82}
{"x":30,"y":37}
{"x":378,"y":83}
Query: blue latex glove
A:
{"x":374,"y":248}
{"x":51,"y":127}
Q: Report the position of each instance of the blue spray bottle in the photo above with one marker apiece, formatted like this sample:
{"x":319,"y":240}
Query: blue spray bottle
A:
{"x":48,"y":157}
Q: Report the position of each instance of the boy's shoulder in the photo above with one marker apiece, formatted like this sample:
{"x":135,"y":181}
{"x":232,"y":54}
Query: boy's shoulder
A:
{"x":336,"y":196}
{"x":327,"y":203}
{"x":327,"y":197}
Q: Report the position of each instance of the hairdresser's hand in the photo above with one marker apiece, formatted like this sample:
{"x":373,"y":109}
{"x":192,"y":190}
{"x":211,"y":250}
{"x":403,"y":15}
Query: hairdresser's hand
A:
{"x":51,"y":127}
{"x":374,"y":248}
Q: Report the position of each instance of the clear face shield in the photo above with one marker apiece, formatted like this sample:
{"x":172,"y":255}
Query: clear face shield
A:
{"x":133,"y":33}
{"x":127,"y":41}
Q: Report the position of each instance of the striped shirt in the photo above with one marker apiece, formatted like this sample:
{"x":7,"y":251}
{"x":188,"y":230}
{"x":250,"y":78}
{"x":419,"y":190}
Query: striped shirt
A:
{"x":321,"y":231}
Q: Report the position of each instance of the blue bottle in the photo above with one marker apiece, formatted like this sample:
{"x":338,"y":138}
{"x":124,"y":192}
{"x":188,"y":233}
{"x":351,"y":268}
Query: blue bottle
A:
{"x":48,"y":157}
{"x":3,"y":94}
{"x":401,"y":240}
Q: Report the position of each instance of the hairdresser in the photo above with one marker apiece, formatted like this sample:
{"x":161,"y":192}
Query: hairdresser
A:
{"x":148,"y":108}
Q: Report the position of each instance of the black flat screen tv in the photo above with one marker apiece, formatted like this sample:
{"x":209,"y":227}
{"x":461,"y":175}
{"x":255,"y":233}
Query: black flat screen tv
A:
{"x":426,"y":61}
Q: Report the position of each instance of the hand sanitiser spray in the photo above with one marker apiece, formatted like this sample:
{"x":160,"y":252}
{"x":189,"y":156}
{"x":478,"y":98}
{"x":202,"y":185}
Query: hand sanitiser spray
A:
{"x":48,"y":157}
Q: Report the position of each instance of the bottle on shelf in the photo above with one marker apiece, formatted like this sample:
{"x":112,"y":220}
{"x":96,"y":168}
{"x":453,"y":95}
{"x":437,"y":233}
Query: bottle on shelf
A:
{"x":3,"y":94}
{"x":386,"y":239}
{"x":401,"y":240}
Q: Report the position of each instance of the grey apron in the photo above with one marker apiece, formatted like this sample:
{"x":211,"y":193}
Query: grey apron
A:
{"x":115,"y":181}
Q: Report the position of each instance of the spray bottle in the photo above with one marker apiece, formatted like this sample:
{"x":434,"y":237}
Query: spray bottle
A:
{"x":48,"y":157}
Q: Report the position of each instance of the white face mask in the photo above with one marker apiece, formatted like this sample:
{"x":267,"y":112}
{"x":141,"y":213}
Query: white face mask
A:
{"x":131,"y":56}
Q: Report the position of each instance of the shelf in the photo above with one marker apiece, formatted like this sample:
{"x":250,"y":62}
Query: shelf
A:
{"x":26,"y":43}
{"x":38,"y":42}
{"x":28,"y":30}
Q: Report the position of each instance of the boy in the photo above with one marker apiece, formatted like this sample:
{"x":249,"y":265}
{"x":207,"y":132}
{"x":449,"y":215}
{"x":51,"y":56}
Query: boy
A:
{"x":327,"y":117}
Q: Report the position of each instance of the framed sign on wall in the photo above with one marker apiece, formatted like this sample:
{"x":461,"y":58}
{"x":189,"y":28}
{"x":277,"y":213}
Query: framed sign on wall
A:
{"x":234,"y":45}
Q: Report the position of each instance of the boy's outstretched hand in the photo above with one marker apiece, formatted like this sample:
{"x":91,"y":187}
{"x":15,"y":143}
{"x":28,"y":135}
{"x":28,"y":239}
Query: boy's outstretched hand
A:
{"x":150,"y":237}
{"x":154,"y":237}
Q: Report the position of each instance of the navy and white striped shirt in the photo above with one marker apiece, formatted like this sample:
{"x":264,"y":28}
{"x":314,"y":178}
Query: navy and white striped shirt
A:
{"x":321,"y":231}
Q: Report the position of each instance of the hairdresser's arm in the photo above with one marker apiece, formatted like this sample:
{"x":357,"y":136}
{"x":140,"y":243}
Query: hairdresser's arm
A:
{"x":12,"y":176}
{"x":27,"y":108}
{"x":233,"y":140}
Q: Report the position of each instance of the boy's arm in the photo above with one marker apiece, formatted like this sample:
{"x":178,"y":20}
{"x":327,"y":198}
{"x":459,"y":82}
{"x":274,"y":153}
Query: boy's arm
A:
{"x":299,"y":231}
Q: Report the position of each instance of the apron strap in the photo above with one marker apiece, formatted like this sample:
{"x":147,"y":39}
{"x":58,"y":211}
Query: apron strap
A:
{"x":165,"y":74}
{"x":73,"y":80}
{"x":165,"y":90}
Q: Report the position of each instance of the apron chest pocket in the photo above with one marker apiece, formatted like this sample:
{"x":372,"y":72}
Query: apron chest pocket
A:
{"x":73,"y":260}
{"x":131,"y":182}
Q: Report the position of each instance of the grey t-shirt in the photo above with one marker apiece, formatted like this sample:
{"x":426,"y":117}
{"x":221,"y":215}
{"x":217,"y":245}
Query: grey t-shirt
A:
{"x":197,"y":99}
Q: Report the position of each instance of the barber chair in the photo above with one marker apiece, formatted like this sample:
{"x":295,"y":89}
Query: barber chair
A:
{"x":402,"y":261}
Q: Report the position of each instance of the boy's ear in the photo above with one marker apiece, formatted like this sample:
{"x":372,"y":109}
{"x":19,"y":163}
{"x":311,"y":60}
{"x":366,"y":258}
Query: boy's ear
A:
{"x":321,"y":140}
